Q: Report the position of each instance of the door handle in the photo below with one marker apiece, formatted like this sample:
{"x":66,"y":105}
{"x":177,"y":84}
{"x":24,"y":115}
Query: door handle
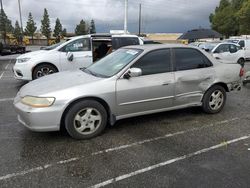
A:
{"x":87,"y":56}
{"x":165,"y":83}
{"x":217,"y":58}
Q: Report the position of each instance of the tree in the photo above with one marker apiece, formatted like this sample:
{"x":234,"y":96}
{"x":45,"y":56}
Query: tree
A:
{"x":45,"y":27}
{"x":58,"y":30}
{"x":81,"y":29}
{"x":92,"y":29}
{"x":17,"y":32}
{"x":224,"y":20}
{"x":30,"y":27}
{"x":5,"y":25}
{"x":244,"y":18}
{"x":64,"y":32}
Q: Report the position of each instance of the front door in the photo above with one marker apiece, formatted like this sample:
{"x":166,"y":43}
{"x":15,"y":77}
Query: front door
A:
{"x":82,"y":54}
{"x":152,"y":91}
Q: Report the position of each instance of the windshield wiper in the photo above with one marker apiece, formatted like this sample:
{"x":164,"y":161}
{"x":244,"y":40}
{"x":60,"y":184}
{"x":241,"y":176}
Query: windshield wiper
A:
{"x":92,"y":73}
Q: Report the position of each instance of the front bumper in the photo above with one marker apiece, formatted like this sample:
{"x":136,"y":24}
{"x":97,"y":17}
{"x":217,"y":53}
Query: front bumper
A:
{"x":38,"y":119}
{"x":23,"y":71}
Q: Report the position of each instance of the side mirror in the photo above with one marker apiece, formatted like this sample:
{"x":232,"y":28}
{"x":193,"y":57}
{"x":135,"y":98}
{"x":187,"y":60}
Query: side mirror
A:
{"x":70,"y":56}
{"x":133,"y":72}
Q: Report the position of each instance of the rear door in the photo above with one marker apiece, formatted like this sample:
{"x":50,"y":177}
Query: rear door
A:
{"x":153,"y":90}
{"x":82,"y":54}
{"x":194,"y":73}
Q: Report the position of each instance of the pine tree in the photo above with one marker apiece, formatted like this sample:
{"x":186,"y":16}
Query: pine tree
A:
{"x":5,"y":25}
{"x":81,"y":29}
{"x":45,"y":27}
{"x":92,"y":29}
{"x":30,"y":27}
{"x":58,"y":30}
{"x":17,"y":32}
{"x":64,"y":32}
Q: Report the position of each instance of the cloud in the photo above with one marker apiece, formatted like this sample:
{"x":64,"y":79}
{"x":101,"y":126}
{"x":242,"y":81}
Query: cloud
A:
{"x":157,"y":15}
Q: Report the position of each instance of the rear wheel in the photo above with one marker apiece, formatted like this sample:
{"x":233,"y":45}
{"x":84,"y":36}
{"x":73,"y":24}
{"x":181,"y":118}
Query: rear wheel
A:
{"x":43,"y":70}
{"x":214,"y":99}
{"x":86,"y":119}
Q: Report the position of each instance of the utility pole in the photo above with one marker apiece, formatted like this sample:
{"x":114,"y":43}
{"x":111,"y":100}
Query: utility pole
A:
{"x":139,"y":19}
{"x":126,"y":17}
{"x":1,"y":4}
{"x":21,"y":22}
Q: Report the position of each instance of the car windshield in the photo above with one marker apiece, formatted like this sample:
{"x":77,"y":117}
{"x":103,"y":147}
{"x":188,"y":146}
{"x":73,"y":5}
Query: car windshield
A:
{"x":52,"y":46}
{"x":113,"y":63}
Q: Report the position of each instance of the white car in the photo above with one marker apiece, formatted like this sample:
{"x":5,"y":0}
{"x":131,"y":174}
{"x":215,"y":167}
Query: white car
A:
{"x":78,"y":52}
{"x":225,"y":52}
{"x":244,"y":44}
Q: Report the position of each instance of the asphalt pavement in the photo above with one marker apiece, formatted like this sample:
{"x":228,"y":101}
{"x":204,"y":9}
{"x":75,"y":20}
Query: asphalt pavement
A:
{"x":182,"y":148}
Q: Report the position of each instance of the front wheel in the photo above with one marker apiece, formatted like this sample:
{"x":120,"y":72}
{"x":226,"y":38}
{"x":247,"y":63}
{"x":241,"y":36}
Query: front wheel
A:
{"x":86,"y":119}
{"x":214,"y":99}
{"x":43,"y":70}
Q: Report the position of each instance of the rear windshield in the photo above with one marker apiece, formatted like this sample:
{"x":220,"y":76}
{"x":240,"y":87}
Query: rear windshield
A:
{"x":118,"y":42}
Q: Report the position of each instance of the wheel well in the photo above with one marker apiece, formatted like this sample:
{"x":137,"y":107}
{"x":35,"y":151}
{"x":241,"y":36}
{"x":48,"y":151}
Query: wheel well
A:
{"x":220,"y":84}
{"x":44,"y":63}
{"x":101,"y":101}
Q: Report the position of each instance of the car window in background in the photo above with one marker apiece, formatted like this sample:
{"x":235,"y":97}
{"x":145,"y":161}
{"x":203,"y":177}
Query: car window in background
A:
{"x":242,"y":43}
{"x":78,"y":45}
{"x":222,"y":48}
{"x":113,"y":63}
{"x":118,"y":42}
{"x":187,"y":59}
{"x":233,"y":48}
{"x":155,"y":62}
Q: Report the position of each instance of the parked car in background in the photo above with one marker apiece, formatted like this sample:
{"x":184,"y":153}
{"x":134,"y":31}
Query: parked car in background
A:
{"x":225,"y":52}
{"x":131,"y":81}
{"x":76,"y":53}
{"x":244,"y":44}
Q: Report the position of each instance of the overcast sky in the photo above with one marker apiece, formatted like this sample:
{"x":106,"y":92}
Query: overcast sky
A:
{"x":158,"y":16}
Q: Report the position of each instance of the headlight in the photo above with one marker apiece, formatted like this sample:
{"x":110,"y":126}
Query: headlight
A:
{"x":23,"y":60}
{"x":38,"y":102}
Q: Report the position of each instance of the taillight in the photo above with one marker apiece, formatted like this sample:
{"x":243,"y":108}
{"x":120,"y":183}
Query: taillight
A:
{"x":242,"y":71}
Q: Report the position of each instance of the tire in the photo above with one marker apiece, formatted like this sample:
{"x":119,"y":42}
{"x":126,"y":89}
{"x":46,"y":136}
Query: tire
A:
{"x":214,"y":99}
{"x":43,"y":70}
{"x":86,"y":119}
{"x":241,"y":61}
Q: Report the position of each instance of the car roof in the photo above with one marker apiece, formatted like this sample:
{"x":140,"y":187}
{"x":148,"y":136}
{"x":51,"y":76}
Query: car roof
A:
{"x":149,"y":47}
{"x":102,"y":35}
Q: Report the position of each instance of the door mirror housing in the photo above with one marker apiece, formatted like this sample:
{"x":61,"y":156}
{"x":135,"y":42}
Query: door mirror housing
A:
{"x":133,"y":72}
{"x":70,"y":56}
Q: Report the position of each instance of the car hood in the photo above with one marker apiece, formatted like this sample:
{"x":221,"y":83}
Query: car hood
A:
{"x":56,"y":82}
{"x":32,"y":54}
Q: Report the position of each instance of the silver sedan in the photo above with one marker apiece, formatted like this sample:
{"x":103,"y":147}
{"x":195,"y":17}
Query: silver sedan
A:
{"x":132,"y":81}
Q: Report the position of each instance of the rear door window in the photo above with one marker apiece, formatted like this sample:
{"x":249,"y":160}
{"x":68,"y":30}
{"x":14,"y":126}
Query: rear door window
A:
{"x":187,"y":59}
{"x":118,"y":42}
{"x":155,"y":62}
